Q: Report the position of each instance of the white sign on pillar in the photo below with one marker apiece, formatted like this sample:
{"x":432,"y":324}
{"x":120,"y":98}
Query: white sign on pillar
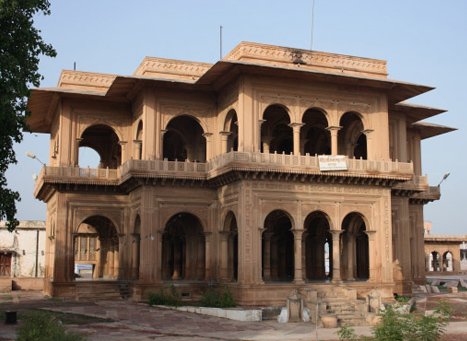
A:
{"x":332,"y":163}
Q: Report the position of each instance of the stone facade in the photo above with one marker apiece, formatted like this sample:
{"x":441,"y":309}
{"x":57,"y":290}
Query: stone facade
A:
{"x":214,"y":174}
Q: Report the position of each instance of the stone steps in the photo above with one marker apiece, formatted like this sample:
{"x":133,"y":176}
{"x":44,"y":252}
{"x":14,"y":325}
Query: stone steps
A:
{"x":90,"y":291}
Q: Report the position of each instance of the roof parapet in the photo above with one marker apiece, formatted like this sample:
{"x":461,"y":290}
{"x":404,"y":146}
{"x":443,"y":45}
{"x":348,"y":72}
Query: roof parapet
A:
{"x":153,"y":67}
{"x":89,"y":81}
{"x":308,"y":59}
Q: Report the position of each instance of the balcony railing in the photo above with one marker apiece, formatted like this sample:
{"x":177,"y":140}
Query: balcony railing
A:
{"x":239,"y":161}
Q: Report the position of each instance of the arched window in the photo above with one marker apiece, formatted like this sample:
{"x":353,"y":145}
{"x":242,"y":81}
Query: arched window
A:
{"x":278,"y":247}
{"x":184,"y":140}
{"x":183,"y":248}
{"x":276,"y":134}
{"x":314,"y":137}
{"x":105,"y":142}
{"x":352,"y":140}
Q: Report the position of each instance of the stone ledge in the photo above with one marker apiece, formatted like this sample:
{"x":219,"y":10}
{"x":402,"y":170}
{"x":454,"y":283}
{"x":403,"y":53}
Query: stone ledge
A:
{"x":237,"y":314}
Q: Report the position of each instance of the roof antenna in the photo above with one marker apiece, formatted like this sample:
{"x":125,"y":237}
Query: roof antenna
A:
{"x":312,"y":22}
{"x":220,"y":42}
{"x":74,"y":66}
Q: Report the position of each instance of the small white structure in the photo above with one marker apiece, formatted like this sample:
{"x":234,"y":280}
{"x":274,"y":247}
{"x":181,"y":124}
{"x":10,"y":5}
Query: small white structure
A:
{"x":22,"y":252}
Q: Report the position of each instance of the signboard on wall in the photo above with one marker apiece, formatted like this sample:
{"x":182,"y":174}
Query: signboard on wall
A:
{"x":329,"y":163}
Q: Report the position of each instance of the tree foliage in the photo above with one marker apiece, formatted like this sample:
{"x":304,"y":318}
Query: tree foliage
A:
{"x":20,"y":49}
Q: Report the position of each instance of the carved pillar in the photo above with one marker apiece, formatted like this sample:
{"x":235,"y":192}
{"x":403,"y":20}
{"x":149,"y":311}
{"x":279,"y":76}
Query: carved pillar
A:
{"x":224,"y":141}
{"x":370,"y":153}
{"x":334,"y":130}
{"x":75,"y":161}
{"x":298,"y":272}
{"x":351,"y":257}
{"x":123,"y":150}
{"x":201,"y":258}
{"x":336,"y":260}
{"x":372,"y":260}
{"x":267,"y":256}
{"x":223,"y":256}
{"x":135,"y":243}
{"x":207,"y":136}
{"x":296,"y":137}
{"x":161,"y":151}
{"x":138,"y":155}
{"x":208,"y":272}
{"x":260,"y":123}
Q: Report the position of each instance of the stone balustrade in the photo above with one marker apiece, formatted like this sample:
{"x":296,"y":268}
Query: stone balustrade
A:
{"x":221,"y":164}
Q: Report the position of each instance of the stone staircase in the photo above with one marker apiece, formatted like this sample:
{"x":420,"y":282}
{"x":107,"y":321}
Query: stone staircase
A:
{"x":341,"y":303}
{"x":348,"y":312}
{"x":102,"y":290}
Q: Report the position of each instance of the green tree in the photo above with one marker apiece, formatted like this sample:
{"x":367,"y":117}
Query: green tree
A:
{"x":20,"y":49}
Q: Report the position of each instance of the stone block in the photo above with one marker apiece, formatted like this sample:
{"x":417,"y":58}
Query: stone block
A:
{"x":453,"y":290}
{"x":435,"y":289}
{"x":452,"y":284}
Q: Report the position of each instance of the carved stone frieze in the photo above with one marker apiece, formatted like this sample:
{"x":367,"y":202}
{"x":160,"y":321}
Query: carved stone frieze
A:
{"x":85,"y":80}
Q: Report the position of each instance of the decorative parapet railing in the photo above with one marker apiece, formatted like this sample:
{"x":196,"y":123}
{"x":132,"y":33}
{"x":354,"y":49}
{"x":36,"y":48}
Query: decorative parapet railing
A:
{"x":307,"y":165}
{"x":76,"y":175}
{"x":221,"y":164}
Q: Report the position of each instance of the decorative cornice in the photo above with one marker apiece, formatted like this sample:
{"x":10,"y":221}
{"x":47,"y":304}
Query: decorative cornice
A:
{"x":307,"y":59}
{"x":170,"y":68}
{"x":85,"y":80}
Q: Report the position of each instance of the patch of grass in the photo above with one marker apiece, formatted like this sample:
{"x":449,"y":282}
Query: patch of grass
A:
{"x":402,"y":299}
{"x":171,"y":298}
{"x":217,"y":299}
{"x":44,"y":326}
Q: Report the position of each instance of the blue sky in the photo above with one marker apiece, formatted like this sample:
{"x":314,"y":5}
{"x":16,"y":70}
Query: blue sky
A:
{"x":424,"y":41}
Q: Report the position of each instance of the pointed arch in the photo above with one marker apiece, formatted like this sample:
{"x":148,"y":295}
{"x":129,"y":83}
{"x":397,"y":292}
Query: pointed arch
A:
{"x":355,"y":262}
{"x":318,"y":247}
{"x":231,"y":235}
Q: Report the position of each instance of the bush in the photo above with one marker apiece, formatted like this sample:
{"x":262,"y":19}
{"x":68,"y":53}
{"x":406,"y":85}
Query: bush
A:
{"x":217,"y":299}
{"x":397,"y":326}
{"x":43,"y":326}
{"x":171,"y":298}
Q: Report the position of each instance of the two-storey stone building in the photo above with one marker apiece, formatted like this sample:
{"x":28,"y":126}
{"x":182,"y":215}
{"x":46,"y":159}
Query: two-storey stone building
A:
{"x":270,"y":170}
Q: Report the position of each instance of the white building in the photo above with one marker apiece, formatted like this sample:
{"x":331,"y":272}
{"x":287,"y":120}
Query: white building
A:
{"x":22,"y":252}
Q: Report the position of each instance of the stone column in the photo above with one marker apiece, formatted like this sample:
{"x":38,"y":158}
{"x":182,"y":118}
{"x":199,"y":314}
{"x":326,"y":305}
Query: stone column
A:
{"x":161,"y":151}
{"x":123,"y":156}
{"x":370,"y":153}
{"x":372,"y":260}
{"x":298,"y":273}
{"x":135,"y":256}
{"x":75,"y":161}
{"x":208,"y":272}
{"x":336,"y":259}
{"x":260,"y":123}
{"x":351,"y":257}
{"x":224,"y":141}
{"x":267,"y":256}
{"x":334,"y":138}
{"x":177,"y":260}
{"x":138,"y":149}
{"x":296,"y":137}
{"x":207,"y":136}
{"x":223,"y":256}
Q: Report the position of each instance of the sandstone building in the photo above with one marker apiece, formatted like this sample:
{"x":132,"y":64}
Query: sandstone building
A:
{"x":244,"y":173}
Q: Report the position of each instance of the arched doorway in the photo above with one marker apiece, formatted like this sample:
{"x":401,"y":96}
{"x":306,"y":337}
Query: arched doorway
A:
{"x":105,"y":142}
{"x":355,"y":262}
{"x":231,"y":229}
{"x":276,"y":133}
{"x":184,"y":140}
{"x":314,"y":137}
{"x":183,"y":248}
{"x":231,"y":128}
{"x":278,"y":247}
{"x":96,"y":249}
{"x":318,"y":247}
{"x":352,"y":140}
